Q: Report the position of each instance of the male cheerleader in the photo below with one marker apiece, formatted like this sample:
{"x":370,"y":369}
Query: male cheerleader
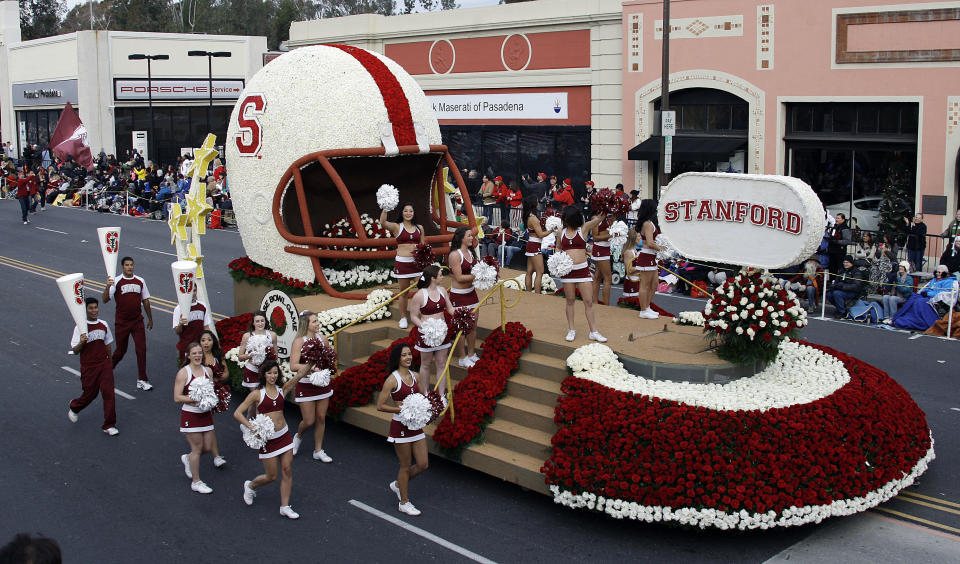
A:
{"x":96,"y":368}
{"x":131,"y":294}
{"x":189,"y":326}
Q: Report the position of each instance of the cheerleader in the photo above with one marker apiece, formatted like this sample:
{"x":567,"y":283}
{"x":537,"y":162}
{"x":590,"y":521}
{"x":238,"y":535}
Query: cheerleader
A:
{"x":430,"y":302}
{"x":408,"y":234}
{"x":570,"y":239}
{"x":267,"y":399}
{"x":647,"y":257}
{"x":258,"y":326}
{"x":600,"y":254}
{"x":195,"y":424}
{"x":631,"y":283}
{"x":535,"y":235}
{"x":462,"y":292}
{"x":408,"y":444}
{"x":312,"y":400}
{"x":214,"y":361}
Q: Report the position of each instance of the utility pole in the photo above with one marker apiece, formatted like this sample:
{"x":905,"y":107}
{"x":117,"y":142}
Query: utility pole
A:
{"x":664,"y":95}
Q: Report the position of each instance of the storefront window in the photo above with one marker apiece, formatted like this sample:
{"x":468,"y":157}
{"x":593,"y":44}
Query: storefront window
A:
{"x":40,"y":125}
{"x":174,"y":127}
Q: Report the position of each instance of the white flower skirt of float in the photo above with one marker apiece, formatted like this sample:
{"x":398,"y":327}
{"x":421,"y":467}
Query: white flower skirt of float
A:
{"x":262,"y":429}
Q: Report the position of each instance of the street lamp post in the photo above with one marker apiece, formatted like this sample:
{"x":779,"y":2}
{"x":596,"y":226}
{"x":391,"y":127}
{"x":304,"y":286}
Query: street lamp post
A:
{"x":152,"y":142}
{"x":210,"y":55}
{"x":664,"y":95}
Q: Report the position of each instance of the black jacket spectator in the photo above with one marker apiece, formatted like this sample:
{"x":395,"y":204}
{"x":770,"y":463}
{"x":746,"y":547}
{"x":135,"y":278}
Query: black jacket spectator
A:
{"x":917,"y":236}
{"x":850,"y":279}
{"x":951,"y":258}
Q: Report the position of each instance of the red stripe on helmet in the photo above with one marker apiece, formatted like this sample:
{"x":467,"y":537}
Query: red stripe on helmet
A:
{"x":394,"y":99}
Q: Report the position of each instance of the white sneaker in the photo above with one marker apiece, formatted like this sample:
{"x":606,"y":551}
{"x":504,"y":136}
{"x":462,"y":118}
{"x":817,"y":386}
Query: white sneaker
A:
{"x":289,"y":513}
{"x":648,"y":314}
{"x":296,"y":443}
{"x":596,"y":336}
{"x":73,"y":417}
{"x":144,"y":385}
{"x":474,"y":357}
{"x":248,"y":493}
{"x":200,"y":487}
{"x":571,"y":335}
{"x":465,"y":362}
{"x":321,"y":456}
{"x":888,"y":321}
{"x":185,"y":458}
{"x":112,"y":431}
{"x":409,"y":509}
{"x":403,"y":323}
{"x":219,"y":461}
{"x":395,"y":488}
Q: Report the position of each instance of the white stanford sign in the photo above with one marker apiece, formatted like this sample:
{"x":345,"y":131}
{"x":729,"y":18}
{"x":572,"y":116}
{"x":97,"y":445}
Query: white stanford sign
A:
{"x":135,"y":89}
{"x":763,"y":221}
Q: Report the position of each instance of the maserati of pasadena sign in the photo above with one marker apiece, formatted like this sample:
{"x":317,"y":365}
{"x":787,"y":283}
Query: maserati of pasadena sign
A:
{"x":535,"y":105}
{"x":763,"y":221}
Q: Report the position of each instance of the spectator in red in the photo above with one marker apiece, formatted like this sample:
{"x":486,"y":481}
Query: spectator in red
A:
{"x":514,"y":198}
{"x":34,"y":186}
{"x":564,"y":195}
{"x":23,"y":195}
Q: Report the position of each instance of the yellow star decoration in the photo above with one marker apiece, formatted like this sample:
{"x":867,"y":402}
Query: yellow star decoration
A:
{"x":447,"y":186}
{"x":177,"y":224}
{"x":195,"y":256}
{"x":198,"y":209}
{"x":202,"y":157}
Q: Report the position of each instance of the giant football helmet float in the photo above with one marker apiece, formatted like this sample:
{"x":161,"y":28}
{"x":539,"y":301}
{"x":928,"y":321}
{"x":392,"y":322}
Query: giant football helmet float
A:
{"x":313,"y":136}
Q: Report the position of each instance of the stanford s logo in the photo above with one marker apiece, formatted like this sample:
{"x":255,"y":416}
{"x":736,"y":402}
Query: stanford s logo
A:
{"x":186,"y":283}
{"x":249,"y":136}
{"x":112,"y":241}
{"x":78,"y":292}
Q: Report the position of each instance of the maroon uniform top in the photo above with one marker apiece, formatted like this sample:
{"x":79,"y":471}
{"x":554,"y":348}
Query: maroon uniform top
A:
{"x":129,"y":294}
{"x":576,"y":242}
{"x":407,"y":237}
{"x":198,"y":318}
{"x":645,"y":250}
{"x":466,"y":266}
{"x":431,"y":307}
{"x":268,"y":404}
{"x":403,"y":390}
{"x":94,"y":352}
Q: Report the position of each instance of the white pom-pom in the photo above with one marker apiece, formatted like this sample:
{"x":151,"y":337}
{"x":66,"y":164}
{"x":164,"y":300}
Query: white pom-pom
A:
{"x":388,"y":197}
{"x":320,"y":378}
{"x":415,"y":412}
{"x":484,"y":276}
{"x":202,"y":392}
{"x":262,"y":429}
{"x":434,"y":332}
{"x":618,"y":233}
{"x":560,"y":264}
{"x":257,"y":348}
{"x":553,"y":223}
{"x":669,"y":252}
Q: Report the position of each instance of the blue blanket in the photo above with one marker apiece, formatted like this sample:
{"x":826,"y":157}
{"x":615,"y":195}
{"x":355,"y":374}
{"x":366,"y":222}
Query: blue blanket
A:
{"x":916,"y":313}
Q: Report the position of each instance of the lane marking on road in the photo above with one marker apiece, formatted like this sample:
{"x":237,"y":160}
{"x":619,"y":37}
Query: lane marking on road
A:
{"x":158,"y":252}
{"x":929,"y":498}
{"x":874,"y":515}
{"x":928,"y":504}
{"x":119,"y":392}
{"x":418,"y":531}
{"x":955,"y":409}
{"x":917,"y":336}
{"x":52,"y":230}
{"x":919,"y":520}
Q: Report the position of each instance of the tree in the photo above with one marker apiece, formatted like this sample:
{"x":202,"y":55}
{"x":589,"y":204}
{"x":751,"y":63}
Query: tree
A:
{"x":40,"y":18}
{"x":78,"y":18}
{"x":428,"y":5}
{"x":140,"y":15}
{"x":897,"y":202}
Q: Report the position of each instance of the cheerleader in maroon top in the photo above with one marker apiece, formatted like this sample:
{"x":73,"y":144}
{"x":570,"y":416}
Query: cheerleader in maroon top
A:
{"x":647,"y":257}
{"x":267,"y":399}
{"x":313,"y":400}
{"x":571,"y":240}
{"x":96,"y":369}
{"x":195,"y":424}
{"x":462,"y":293}
{"x":600,"y":254}
{"x":429,"y":303}
{"x":631,"y":282}
{"x":409,"y":234}
{"x":261,"y":327}
{"x":409,"y":444}
{"x":535,"y":235}
{"x":215,"y":362}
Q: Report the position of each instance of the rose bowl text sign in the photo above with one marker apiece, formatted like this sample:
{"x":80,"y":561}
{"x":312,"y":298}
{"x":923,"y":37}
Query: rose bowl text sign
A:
{"x":763,"y":221}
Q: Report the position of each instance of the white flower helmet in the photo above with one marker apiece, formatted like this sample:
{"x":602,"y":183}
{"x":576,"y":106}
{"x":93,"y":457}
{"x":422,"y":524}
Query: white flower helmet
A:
{"x":314,"y":134}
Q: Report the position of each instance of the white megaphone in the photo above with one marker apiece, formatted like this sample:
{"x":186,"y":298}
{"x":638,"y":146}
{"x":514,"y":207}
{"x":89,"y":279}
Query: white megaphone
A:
{"x":71,"y":287}
{"x":184,"y":281}
{"x":109,"y":238}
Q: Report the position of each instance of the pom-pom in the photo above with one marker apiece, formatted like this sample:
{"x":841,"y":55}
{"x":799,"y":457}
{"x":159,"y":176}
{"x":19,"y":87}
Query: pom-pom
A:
{"x":434,"y":332}
{"x":423,"y":255}
{"x":201,"y":391}
{"x":438,"y":403}
{"x":262,"y":429}
{"x":415,"y":412}
{"x":619,"y":206}
{"x":388,"y":197}
{"x":270,"y":353}
{"x":560,"y":264}
{"x":223,"y":396}
{"x":669,"y":252}
{"x":320,"y":378}
{"x":600,"y":201}
{"x":618,"y":233}
{"x":484,"y":275}
{"x":257,"y":346}
{"x":464,"y":319}
{"x":315,"y":353}
{"x":553,"y":223}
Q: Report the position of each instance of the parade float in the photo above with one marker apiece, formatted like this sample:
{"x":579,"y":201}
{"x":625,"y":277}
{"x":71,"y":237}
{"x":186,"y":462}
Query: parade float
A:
{"x":723,"y":419}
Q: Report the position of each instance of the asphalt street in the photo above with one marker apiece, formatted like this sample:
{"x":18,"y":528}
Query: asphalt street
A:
{"x":125,"y":498}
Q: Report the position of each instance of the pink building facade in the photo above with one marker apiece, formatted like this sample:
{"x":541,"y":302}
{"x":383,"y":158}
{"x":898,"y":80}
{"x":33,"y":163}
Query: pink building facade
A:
{"x":848,"y":95}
